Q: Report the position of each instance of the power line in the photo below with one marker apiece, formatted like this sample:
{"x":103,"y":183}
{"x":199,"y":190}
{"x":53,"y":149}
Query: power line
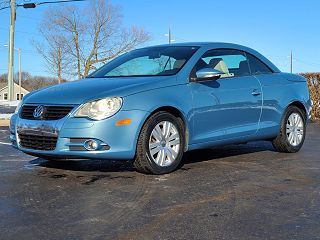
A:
{"x":30,"y":18}
{"x":293,"y":59}
{"x":63,"y":1}
{"x":13,"y":5}
{"x":6,"y":4}
{"x":30,"y":53}
{"x":6,"y":29}
{"x":307,"y":62}
{"x":33,"y":4}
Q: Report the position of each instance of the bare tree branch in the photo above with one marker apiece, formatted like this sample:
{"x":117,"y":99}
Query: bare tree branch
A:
{"x":86,"y":37}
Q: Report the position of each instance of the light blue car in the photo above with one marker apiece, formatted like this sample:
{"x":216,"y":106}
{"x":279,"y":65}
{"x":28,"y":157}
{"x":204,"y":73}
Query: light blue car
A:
{"x":153,"y":104}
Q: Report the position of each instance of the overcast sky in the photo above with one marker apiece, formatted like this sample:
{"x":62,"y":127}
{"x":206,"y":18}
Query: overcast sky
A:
{"x":272,"y":27}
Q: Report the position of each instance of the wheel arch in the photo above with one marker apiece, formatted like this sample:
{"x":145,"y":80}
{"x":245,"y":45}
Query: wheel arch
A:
{"x":177,"y":113}
{"x":281,"y":142}
{"x":299,"y":105}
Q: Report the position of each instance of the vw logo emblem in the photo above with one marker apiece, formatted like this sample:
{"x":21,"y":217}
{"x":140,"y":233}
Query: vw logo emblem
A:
{"x":38,"y":111}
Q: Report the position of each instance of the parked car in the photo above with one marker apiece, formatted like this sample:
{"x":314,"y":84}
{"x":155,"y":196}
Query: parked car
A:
{"x":153,"y":104}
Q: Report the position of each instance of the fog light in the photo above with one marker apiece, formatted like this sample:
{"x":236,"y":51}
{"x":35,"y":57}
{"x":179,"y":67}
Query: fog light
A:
{"x":91,"y":145}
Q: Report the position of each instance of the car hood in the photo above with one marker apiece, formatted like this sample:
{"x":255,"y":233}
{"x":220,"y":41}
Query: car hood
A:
{"x":83,"y":90}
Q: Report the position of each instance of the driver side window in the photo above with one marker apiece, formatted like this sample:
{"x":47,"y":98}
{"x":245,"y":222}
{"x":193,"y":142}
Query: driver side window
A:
{"x":232,"y":63}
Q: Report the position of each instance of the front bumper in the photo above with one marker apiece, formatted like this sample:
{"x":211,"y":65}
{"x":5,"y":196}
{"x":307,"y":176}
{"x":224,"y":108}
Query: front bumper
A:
{"x":116,"y":142}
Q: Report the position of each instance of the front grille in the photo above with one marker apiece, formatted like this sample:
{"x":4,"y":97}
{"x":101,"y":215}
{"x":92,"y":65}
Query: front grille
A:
{"x":49,"y":113}
{"x":37,"y":142}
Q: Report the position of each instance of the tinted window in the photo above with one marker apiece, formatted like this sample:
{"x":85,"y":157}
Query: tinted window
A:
{"x":153,"y":61}
{"x":257,"y":66}
{"x":232,"y":63}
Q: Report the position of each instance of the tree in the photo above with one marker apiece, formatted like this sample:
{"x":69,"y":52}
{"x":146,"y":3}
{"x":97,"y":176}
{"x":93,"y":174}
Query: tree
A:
{"x":31,"y":82}
{"x":54,"y":53}
{"x":86,"y":37}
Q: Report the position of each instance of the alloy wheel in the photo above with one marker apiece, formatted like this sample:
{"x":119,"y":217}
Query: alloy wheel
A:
{"x":164,"y":143}
{"x":295,"y":129}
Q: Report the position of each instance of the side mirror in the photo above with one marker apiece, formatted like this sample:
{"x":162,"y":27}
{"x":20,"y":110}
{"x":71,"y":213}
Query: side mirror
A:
{"x":206,"y":74}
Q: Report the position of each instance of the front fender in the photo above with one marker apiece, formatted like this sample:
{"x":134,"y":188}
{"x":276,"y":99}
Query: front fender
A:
{"x":178,"y":97}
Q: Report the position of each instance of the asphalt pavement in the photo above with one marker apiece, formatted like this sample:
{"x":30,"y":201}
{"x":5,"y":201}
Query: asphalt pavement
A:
{"x":244,"y":191}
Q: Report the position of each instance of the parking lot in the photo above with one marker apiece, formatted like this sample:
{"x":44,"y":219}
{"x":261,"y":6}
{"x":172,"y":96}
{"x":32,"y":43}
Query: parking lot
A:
{"x":244,"y":191}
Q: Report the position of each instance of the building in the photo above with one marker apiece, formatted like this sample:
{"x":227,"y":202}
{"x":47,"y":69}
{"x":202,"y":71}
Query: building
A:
{"x":16,"y":92}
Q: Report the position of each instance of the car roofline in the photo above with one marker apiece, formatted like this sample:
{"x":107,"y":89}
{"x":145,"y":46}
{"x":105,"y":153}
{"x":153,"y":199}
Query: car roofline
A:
{"x":217,"y":45}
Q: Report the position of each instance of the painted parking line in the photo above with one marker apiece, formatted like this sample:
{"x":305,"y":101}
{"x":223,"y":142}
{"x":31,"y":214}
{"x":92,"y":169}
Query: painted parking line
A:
{"x":4,"y":143}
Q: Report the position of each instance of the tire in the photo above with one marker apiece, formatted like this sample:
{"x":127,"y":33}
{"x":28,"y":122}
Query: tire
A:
{"x":285,"y":142}
{"x":147,"y":159}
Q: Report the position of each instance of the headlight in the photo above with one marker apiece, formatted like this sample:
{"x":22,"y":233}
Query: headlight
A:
{"x":100,"y":109}
{"x":18,"y":107}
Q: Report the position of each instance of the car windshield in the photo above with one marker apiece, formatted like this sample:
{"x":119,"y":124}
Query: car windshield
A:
{"x":153,"y":61}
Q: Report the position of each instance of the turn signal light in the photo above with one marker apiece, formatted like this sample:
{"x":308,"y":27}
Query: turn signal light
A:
{"x":124,"y":122}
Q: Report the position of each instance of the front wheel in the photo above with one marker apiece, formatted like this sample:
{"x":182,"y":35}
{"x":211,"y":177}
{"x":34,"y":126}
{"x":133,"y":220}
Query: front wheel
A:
{"x":160,"y":145}
{"x":292,"y":131}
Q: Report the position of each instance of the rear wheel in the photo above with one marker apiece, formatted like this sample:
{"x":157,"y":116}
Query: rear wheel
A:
{"x":160,"y":145}
{"x":292,"y":132}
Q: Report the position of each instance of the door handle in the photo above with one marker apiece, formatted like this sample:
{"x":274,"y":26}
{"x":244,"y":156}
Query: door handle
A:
{"x":255,"y":92}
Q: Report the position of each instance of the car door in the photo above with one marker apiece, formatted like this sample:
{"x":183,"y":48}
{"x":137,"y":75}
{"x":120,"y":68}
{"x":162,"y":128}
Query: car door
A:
{"x":274,"y":87}
{"x":229,"y":107}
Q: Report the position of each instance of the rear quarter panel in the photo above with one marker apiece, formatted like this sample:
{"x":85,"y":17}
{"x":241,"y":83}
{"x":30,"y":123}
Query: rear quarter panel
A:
{"x":279,"y":91}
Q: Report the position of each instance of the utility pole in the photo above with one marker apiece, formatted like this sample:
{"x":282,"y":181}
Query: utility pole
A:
{"x":20,"y":73}
{"x":291,"y":61}
{"x":11,"y":49}
{"x":169,"y":35}
{"x":13,"y":7}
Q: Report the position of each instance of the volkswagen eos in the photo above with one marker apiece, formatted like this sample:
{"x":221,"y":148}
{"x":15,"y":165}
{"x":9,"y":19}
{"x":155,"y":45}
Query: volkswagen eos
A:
{"x":153,"y":104}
